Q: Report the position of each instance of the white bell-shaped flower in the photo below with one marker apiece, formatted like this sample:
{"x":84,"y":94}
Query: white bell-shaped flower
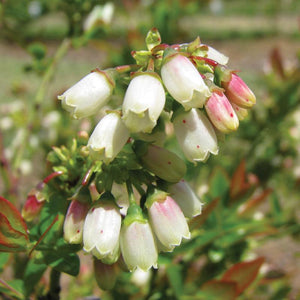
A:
{"x":186,"y":198}
{"x":143,"y":102}
{"x":101,"y":230}
{"x":88,"y":95}
{"x":167,"y":219}
{"x":184,"y":82}
{"x":138,"y":245}
{"x":108,"y":138}
{"x":195,"y":135}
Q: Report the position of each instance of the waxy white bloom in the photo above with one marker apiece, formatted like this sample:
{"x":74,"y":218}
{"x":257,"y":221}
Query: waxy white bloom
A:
{"x":143,"y":103}
{"x":167,"y":219}
{"x":101,"y":230}
{"x":74,"y":220}
{"x":88,"y":95}
{"x":138,"y":245}
{"x":184,"y":82}
{"x":108,"y":138}
{"x":195,"y":135}
{"x":217,"y":56}
{"x":186,"y":198}
{"x":164,"y":163}
{"x":221,"y":113}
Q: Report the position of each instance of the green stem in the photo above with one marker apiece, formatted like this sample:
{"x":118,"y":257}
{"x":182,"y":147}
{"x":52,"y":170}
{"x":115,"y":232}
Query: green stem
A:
{"x":130,"y":193}
{"x":127,"y":68}
{"x":9,"y":180}
{"x":39,"y":99}
{"x":54,"y":291}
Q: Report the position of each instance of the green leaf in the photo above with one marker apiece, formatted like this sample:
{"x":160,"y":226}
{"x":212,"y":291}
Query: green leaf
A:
{"x":276,"y":207}
{"x":216,"y":289}
{"x":13,"y":216}
{"x":11,"y":240}
{"x":219,"y":184}
{"x":153,"y":38}
{"x":13,"y":288}
{"x":4,"y":257}
{"x":175,"y":278}
{"x":56,"y":206}
{"x":66,"y":263}
{"x":33,"y":273}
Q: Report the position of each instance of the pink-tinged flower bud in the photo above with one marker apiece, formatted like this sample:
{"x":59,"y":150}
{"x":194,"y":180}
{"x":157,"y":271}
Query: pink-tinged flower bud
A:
{"x":164,"y":163}
{"x":138,"y":244}
{"x":195,"y":135}
{"x":238,"y":92}
{"x":184,"y":82}
{"x":221,"y":113}
{"x":74,"y":220}
{"x":143,"y":102}
{"x":241,"y":113}
{"x":186,"y":198}
{"x":88,"y":95}
{"x":32,"y":207}
{"x":108,"y":138}
{"x":101,"y":230}
{"x":106,"y":275}
{"x":167,"y":219}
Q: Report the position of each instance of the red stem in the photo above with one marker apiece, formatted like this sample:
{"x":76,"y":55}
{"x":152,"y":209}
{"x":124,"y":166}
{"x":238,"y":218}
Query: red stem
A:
{"x":207,"y":60}
{"x":43,"y":235}
{"x":52,"y":175}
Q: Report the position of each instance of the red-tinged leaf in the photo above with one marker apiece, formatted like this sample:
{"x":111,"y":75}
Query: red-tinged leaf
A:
{"x":276,"y":62}
{"x":13,"y":216}
{"x":238,"y":183}
{"x":243,"y":273}
{"x":197,"y":221}
{"x":11,"y":240}
{"x":249,"y":206}
{"x":220,"y":289}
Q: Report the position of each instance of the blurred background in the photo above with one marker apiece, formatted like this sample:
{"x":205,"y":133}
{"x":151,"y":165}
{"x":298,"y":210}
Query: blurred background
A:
{"x":47,"y":46}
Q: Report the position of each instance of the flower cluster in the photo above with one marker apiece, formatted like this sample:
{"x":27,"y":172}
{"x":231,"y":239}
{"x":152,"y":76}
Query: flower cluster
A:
{"x":190,"y":88}
{"x":98,"y":226}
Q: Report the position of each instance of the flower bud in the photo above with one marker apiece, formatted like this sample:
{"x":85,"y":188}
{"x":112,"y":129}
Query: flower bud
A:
{"x":88,"y":95}
{"x":166,"y":219}
{"x":184,"y":82}
{"x":241,"y":113}
{"x":138,"y":244}
{"x":221,"y":113}
{"x":102,"y":229}
{"x":74,"y":220}
{"x":238,"y":92}
{"x":32,"y":207}
{"x":143,"y":102}
{"x":185,"y":197}
{"x":164,"y":163}
{"x":195,"y":135}
{"x":108,"y":138}
{"x":106,"y":275}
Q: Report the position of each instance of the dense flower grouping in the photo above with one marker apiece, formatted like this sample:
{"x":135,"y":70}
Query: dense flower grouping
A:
{"x":187,"y":87}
